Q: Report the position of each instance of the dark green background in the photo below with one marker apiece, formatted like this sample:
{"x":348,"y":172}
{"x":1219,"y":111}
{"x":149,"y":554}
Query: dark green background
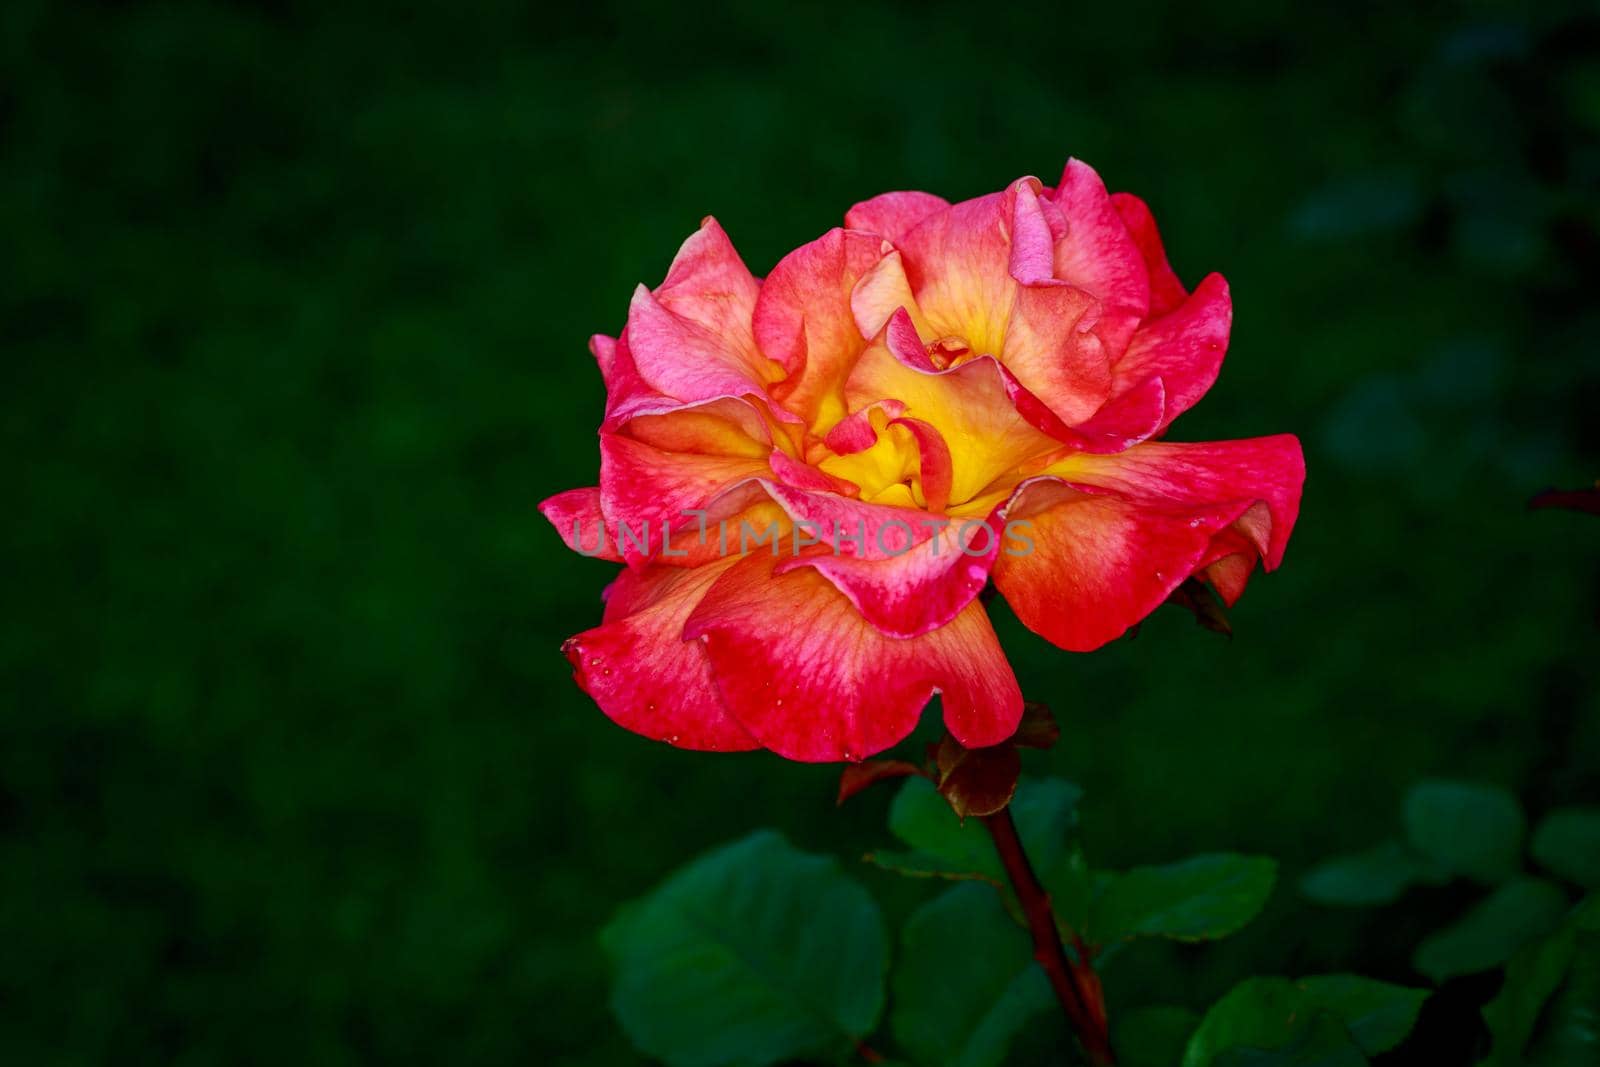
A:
{"x":294,"y":303}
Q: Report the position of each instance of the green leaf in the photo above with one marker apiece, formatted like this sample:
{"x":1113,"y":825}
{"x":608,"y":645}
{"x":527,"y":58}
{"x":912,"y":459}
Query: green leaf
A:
{"x":1319,"y":1041}
{"x":1468,"y":829}
{"x":1532,"y":977}
{"x":1258,"y":1013}
{"x":1567,"y":843}
{"x":1514,"y":915}
{"x":1377,"y":1015}
{"x":923,"y":819}
{"x":1569,"y":1031}
{"x":1325,"y":1020}
{"x":1045,"y":810}
{"x":1363,"y":879}
{"x":753,"y":953}
{"x":922,"y":865}
{"x":966,"y":983}
{"x":1196,"y":899}
{"x":1152,"y":1036}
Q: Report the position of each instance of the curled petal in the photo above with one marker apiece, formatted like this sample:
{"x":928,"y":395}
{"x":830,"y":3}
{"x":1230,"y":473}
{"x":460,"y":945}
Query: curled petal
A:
{"x":692,"y":339}
{"x":1114,"y":535}
{"x":810,"y":679}
{"x":1166,"y":291}
{"x":1033,"y":237}
{"x":797,"y":475}
{"x":803,"y":320}
{"x":645,"y":491}
{"x":1097,"y":253}
{"x":1097,"y":563}
{"x":882,"y":291}
{"x":852,"y":528}
{"x":1183,"y":348}
{"x":921,"y":588}
{"x":725,"y":426}
{"x":577,"y":517}
{"x":604,"y":350}
{"x":642,"y":673}
{"x":1051,"y":347}
{"x":1132,"y":415}
{"x":627,"y":393}
{"x":1228,"y":564}
{"x":969,"y":402}
{"x":934,"y":465}
{"x":958,"y":261}
{"x":893,"y":215}
{"x":856,"y":433}
{"x":1265,"y":474}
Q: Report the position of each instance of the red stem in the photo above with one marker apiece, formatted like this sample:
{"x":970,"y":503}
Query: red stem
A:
{"x":1076,"y":984}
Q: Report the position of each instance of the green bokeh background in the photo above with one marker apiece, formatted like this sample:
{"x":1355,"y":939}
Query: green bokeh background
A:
{"x":294,"y":304}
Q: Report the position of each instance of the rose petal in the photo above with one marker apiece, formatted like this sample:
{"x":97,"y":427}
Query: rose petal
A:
{"x":1269,"y":471}
{"x":645,"y":490}
{"x":1097,"y":253}
{"x":692,"y":339}
{"x":577,"y":517}
{"x":642,"y":673}
{"x":1166,"y":291}
{"x":970,"y":405}
{"x":958,"y":263}
{"x":1098,"y":563}
{"x":811,"y":680}
{"x":1184,"y":348}
{"x":893,"y":215}
{"x":803,"y":320}
{"x":1114,"y":535}
{"x":919,"y":590}
{"x":883,"y":290}
{"x":1052,"y":348}
{"x":933,"y":465}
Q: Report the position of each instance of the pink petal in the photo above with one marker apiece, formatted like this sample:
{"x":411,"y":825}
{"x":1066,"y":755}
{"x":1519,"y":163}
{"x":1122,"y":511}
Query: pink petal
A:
{"x":1097,"y":253}
{"x":855,"y":433}
{"x":1032,"y":239}
{"x":1052,"y":349}
{"x":1166,"y":291}
{"x":893,"y":215}
{"x":804,"y":322}
{"x":692,"y":338}
{"x":644,"y":490}
{"x":919,"y":590}
{"x":882,"y":291}
{"x":1112,"y":544}
{"x":1183,"y":348}
{"x":856,"y":527}
{"x":797,"y":475}
{"x":577,"y":517}
{"x":958,"y":262}
{"x":642,"y":673}
{"x":604,"y":350}
{"x":934,"y":463}
{"x":1099,"y":562}
{"x":811,"y":680}
{"x":1265,"y":474}
{"x":721,"y":427}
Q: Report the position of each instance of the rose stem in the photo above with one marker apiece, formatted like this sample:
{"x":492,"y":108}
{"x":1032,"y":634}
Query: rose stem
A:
{"x":1077,"y":986}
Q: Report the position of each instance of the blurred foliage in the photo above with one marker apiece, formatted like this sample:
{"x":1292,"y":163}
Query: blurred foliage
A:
{"x":756,"y":953}
{"x":295,"y":299}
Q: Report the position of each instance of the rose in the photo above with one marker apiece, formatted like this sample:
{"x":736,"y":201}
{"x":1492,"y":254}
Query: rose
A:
{"x":980,"y":389}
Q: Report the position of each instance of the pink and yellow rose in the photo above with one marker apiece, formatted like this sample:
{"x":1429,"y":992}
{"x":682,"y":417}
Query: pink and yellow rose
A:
{"x":931,"y":398}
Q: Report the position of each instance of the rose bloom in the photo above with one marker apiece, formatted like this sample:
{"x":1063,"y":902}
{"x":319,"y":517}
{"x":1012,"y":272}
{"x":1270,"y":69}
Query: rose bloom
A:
{"x":929,"y":399}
